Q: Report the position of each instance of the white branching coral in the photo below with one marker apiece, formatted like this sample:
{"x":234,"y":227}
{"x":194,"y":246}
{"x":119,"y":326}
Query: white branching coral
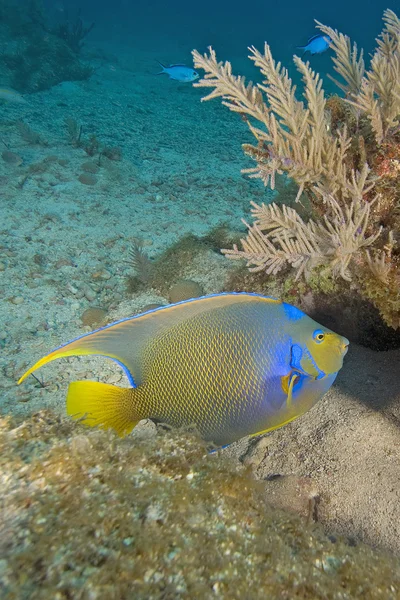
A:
{"x":295,"y":137}
{"x":292,"y":136}
{"x":348,"y":61}
{"x":279,"y":237}
{"x":375,"y":92}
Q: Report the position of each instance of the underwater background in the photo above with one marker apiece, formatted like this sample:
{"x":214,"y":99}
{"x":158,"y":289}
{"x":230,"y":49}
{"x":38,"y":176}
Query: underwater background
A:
{"x":118,"y":189}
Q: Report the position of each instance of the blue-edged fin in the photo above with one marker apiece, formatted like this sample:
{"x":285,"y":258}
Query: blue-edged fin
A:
{"x":124,"y":340}
{"x":103,"y":405}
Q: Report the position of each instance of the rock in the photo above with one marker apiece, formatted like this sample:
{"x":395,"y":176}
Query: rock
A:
{"x":184,"y":290}
{"x":87,"y":179}
{"x":93,"y":316}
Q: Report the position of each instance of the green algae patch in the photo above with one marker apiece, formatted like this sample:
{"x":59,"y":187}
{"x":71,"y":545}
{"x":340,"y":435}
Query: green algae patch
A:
{"x":86,"y":515}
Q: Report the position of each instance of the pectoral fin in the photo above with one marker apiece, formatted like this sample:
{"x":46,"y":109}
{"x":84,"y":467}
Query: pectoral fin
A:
{"x":288,"y":382}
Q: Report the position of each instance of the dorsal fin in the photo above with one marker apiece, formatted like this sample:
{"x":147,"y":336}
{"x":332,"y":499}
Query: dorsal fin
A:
{"x":124,"y":340}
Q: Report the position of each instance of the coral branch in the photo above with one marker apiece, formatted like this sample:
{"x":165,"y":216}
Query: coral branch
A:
{"x":335,"y":158}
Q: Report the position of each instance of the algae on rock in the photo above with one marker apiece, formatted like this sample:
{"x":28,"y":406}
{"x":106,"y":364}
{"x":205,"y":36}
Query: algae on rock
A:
{"x":85,"y":514}
{"x":33,"y":58}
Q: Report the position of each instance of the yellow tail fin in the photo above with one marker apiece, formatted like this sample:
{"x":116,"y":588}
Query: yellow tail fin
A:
{"x":103,"y":405}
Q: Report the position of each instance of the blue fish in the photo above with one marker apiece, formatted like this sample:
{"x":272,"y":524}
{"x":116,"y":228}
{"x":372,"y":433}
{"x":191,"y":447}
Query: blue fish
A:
{"x":179,"y":72}
{"x":317,"y":44}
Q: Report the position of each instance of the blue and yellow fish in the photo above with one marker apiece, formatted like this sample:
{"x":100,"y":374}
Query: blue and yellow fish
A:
{"x":232,"y":365}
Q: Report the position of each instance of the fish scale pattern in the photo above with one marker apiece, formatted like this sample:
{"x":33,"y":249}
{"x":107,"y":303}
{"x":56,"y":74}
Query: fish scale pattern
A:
{"x":216,"y":370}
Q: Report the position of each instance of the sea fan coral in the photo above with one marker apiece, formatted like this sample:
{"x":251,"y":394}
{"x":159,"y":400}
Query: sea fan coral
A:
{"x":332,"y":148}
{"x":376,"y":93}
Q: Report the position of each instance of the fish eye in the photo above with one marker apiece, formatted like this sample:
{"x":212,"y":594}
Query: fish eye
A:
{"x":318,"y":336}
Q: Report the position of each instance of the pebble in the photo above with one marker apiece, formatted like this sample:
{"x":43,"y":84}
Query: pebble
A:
{"x":63,"y":262}
{"x":3,"y":335}
{"x":80,"y":445}
{"x":128,"y":541}
{"x":90,"y":295}
{"x":53,"y":387}
{"x":72,"y":289}
{"x":2,"y":266}
{"x":23,"y":396}
{"x":11,"y":158}
{"x":103,"y":274}
{"x":3,"y":566}
{"x":114,"y":378}
{"x":17,"y":300}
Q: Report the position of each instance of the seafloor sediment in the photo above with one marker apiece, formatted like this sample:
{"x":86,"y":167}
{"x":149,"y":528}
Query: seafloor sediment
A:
{"x":86,"y":515}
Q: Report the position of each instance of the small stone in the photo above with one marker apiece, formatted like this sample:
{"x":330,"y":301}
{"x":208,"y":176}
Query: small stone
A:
{"x":90,"y":167}
{"x":90,"y":295}
{"x":17,"y":300}
{"x":3,"y":335}
{"x":63,"y":262}
{"x":72,"y":289}
{"x":3,"y":566}
{"x":87,"y":179}
{"x":2,"y":266}
{"x":11,"y":158}
{"x":103,"y":274}
{"x":151,"y":306}
{"x":80,"y":445}
{"x":114,"y":378}
{"x":184,"y":290}
{"x":93,"y":316}
{"x":128,"y":541}
{"x":23,"y":396}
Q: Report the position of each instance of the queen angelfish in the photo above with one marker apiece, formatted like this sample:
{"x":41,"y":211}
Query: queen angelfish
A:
{"x":230,"y":364}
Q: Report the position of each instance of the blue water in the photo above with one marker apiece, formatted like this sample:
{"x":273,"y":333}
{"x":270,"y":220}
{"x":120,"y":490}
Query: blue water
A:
{"x":174,"y":28}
